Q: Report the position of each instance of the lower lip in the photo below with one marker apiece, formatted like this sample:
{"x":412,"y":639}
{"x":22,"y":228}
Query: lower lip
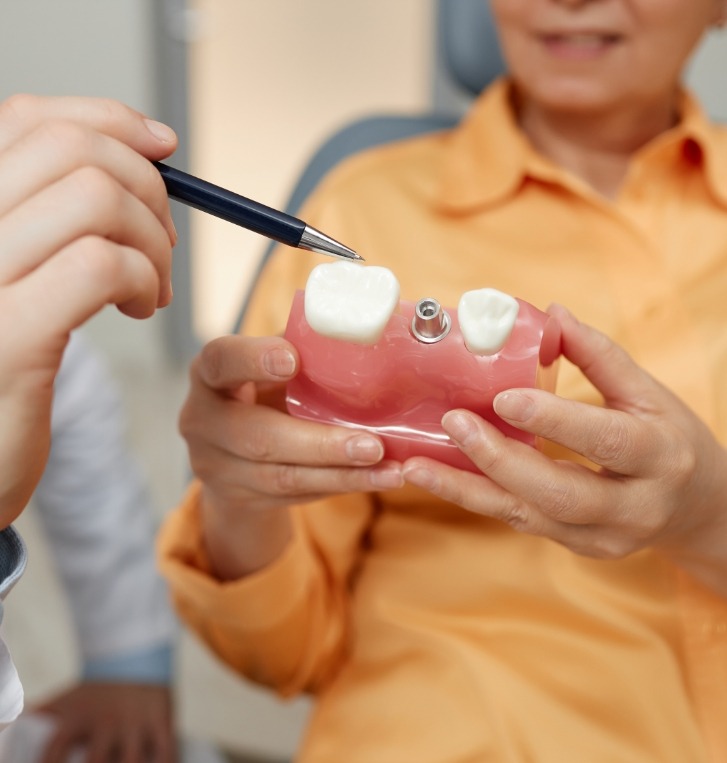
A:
{"x":568,"y":49}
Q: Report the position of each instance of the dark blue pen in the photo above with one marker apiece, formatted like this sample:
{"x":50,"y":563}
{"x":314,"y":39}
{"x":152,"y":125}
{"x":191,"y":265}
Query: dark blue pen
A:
{"x":249,"y":214}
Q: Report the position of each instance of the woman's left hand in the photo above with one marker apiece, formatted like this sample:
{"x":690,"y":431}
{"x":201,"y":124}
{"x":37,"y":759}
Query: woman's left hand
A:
{"x":662,"y":480}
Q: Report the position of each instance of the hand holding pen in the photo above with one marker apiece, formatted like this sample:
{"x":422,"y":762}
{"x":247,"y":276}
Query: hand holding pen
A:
{"x":250,"y":214}
{"x":84,"y":222}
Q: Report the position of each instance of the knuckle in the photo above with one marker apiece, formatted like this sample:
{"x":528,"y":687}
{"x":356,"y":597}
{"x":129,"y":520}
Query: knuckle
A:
{"x":646,"y":521}
{"x":110,"y":111}
{"x":651,"y":525}
{"x":100,"y":193}
{"x":609,"y":548}
{"x":487,"y":458}
{"x":257,"y":444}
{"x":185,"y":420}
{"x":193,"y":371}
{"x":209,"y":362}
{"x":558,"y":499}
{"x":95,"y":261}
{"x":327,"y":450}
{"x":611,"y":444}
{"x":516,"y":514}
{"x":152,"y":180}
{"x":72,"y":138}
{"x":198,"y":465}
{"x":684,"y":463}
{"x":206,"y":469}
{"x":286,"y":479}
{"x":609,"y":352}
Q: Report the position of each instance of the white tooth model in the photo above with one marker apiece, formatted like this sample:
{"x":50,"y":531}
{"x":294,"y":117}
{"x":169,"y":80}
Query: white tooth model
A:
{"x":486,"y":319}
{"x":348,"y":301}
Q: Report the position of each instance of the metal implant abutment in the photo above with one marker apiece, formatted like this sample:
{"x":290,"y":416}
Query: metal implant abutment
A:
{"x":430,"y":323}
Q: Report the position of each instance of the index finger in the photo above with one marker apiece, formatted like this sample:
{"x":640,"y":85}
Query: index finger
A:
{"x":20,"y":113}
{"x":614,"y":440}
{"x":228,"y":362}
{"x":623,"y":384}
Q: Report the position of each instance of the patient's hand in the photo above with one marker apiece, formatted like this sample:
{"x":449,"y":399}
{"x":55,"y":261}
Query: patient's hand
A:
{"x":662,"y":480}
{"x":255,"y":460}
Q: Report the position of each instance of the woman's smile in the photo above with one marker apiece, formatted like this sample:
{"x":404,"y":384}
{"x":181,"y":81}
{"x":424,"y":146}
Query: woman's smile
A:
{"x":579,"y":45}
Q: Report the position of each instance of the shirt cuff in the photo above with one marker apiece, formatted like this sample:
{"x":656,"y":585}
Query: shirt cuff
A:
{"x":13,"y":558}
{"x":144,"y":666}
{"x":258,"y":602}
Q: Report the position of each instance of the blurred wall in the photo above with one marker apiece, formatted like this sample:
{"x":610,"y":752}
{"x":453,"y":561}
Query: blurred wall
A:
{"x":267,"y":82}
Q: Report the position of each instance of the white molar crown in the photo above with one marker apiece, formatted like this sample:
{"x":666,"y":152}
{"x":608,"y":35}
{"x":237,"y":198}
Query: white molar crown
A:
{"x":486,"y":319}
{"x":349,"y":301}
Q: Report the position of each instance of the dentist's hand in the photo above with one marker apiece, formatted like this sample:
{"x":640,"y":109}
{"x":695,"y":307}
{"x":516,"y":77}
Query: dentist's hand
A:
{"x":84,"y":222}
{"x":661,"y":479}
{"x":254,"y":460}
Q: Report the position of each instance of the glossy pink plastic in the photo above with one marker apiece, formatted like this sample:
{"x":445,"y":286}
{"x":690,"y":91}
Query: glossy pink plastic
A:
{"x":400,"y":388}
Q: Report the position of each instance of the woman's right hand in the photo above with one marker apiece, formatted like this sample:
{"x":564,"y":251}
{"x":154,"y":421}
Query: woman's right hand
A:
{"x":254,"y":460}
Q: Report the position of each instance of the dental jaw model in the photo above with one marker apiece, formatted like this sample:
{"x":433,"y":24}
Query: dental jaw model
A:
{"x":394,"y":368}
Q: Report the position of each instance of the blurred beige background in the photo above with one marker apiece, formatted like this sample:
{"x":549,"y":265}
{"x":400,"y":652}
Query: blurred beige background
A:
{"x":268,"y":80}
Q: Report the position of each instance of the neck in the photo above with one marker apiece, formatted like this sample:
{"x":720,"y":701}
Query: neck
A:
{"x":595,"y":147}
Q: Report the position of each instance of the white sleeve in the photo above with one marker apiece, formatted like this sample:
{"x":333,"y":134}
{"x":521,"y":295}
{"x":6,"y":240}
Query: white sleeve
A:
{"x":96,"y":513}
{"x":12,"y":564}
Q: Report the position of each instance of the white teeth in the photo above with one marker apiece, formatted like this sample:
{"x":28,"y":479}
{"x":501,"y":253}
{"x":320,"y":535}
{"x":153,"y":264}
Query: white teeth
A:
{"x":486,"y":319}
{"x":344,"y":300}
{"x":585,"y":40}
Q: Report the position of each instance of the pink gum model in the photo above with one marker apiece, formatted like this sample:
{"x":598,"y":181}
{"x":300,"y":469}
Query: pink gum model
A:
{"x":400,"y":387}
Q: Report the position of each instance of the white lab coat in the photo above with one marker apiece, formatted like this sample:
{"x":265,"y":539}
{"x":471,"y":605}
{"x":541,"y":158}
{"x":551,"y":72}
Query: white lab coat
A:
{"x":12,"y":564}
{"x":96,"y":512}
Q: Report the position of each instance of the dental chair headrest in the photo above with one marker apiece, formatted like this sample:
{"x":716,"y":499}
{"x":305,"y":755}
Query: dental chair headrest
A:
{"x":468,"y":43}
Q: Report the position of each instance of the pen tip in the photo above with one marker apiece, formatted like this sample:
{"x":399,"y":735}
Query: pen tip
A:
{"x":315,"y":241}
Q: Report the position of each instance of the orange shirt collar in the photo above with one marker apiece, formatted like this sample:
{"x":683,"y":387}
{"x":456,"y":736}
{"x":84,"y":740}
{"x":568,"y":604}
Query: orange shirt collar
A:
{"x":488,"y":157}
{"x":710,"y":139}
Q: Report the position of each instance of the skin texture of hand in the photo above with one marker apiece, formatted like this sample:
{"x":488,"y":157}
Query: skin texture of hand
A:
{"x":84,"y":222}
{"x":115,"y":722}
{"x":660,"y":481}
{"x":255,"y":460}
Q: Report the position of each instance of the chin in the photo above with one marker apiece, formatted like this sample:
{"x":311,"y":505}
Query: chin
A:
{"x":571,"y":94}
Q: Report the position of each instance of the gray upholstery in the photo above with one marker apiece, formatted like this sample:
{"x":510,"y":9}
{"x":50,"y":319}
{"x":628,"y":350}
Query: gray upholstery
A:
{"x":468,"y":45}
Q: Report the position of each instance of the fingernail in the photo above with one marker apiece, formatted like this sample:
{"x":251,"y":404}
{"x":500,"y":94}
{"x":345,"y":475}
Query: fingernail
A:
{"x":174,"y":236}
{"x":170,"y":294}
{"x":387,"y":478}
{"x":420,"y":477}
{"x":364,"y":449}
{"x":514,"y":406}
{"x":279,"y":362}
{"x":459,"y":426}
{"x":160,"y":131}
